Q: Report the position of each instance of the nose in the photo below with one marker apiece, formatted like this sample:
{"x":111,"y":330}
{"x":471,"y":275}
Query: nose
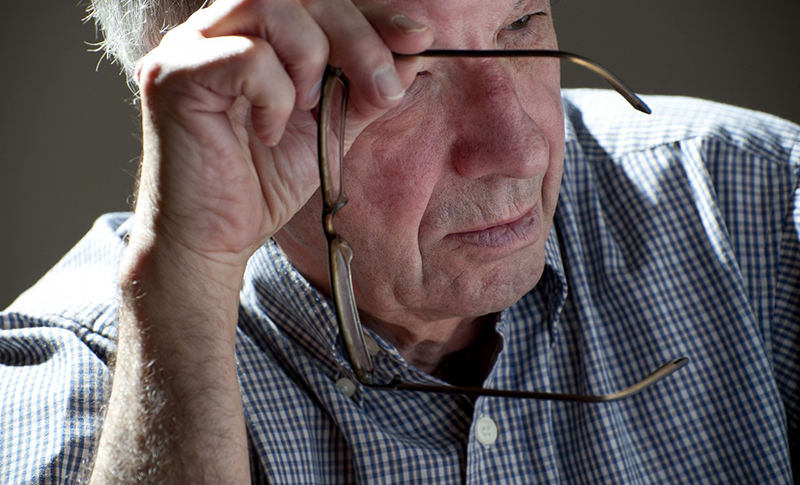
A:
{"x":494,"y":132}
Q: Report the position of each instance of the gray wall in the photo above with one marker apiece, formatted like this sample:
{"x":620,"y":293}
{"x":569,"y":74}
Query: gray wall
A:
{"x":68,"y":134}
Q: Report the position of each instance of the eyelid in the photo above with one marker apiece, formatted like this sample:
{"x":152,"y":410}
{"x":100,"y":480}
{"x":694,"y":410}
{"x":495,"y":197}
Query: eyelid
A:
{"x":532,"y":16}
{"x":527,"y":20}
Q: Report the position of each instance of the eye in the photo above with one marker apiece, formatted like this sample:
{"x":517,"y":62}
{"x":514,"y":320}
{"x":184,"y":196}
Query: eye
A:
{"x":520,"y":23}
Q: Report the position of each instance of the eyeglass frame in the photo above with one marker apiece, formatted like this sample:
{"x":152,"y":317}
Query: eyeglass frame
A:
{"x":340,"y":252}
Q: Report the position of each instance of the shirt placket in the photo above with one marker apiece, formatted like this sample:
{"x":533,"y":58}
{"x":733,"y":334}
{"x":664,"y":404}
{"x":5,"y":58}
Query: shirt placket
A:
{"x":511,"y":440}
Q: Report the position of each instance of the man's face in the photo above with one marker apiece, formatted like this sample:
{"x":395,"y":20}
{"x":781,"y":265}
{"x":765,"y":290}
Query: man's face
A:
{"x":452,"y":193}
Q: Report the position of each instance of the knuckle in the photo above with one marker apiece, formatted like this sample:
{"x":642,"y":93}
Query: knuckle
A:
{"x":370,"y":49}
{"x":317,"y":58}
{"x":252,"y":8}
{"x":301,"y":39}
{"x":151,"y":70}
{"x":310,"y":66}
{"x":255,"y":50}
{"x":282,"y":105}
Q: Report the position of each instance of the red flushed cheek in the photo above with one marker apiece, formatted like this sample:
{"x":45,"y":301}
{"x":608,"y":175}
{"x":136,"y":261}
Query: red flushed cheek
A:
{"x":398,"y":170}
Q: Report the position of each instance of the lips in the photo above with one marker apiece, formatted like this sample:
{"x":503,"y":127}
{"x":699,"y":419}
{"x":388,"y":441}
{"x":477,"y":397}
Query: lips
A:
{"x":517,"y":231}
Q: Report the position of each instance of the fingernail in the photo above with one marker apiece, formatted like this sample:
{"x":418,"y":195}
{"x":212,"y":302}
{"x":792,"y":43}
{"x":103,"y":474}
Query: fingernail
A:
{"x":313,"y":94}
{"x":408,"y":26}
{"x":389,"y":85}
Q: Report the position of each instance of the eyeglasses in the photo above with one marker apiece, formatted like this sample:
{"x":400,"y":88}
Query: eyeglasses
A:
{"x":332,"y":115}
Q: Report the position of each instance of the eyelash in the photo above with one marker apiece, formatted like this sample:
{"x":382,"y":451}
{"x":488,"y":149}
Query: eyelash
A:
{"x":525,"y":18}
{"x":528,"y":27}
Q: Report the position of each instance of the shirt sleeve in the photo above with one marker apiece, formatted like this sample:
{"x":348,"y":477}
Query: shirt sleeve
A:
{"x":50,"y":409}
{"x":56,"y":342}
{"x":786,"y":336}
{"x":751,"y":163}
{"x":756,"y":172}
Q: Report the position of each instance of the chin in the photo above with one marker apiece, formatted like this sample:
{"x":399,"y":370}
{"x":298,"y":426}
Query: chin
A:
{"x":473,"y":295}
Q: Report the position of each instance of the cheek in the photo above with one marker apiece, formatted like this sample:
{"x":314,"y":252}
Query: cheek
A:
{"x":394,"y":168}
{"x":554,"y":131}
{"x":542,"y":101}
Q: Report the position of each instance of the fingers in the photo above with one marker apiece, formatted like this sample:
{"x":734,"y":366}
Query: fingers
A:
{"x":270,"y":42}
{"x":362,"y":39}
{"x":271,"y":96}
{"x":401,"y":33}
{"x":287,"y":27}
{"x":359,"y":39}
{"x":195,"y":80}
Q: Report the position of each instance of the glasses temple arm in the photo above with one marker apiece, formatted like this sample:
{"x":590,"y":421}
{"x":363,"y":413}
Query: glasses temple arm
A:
{"x":610,"y":77}
{"x":349,"y":323}
{"x":398,"y":385}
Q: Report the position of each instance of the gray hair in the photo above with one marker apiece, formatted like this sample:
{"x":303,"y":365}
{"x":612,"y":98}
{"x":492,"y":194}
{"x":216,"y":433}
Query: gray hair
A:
{"x":132,"y":28}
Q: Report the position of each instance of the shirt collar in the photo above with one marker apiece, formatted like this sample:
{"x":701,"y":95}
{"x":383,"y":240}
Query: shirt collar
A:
{"x":570,"y":111}
{"x":551,"y":291}
{"x":292,"y":306}
{"x":554,"y":280}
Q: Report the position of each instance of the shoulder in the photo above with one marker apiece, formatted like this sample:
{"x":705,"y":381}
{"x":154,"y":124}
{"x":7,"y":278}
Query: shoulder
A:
{"x":605,"y":118}
{"x":82,"y":287}
{"x":56,"y":341}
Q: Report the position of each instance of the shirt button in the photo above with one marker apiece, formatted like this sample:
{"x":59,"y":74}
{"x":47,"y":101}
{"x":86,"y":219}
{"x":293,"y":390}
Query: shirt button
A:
{"x":486,"y":431}
{"x":346,"y":386}
{"x":372,"y":346}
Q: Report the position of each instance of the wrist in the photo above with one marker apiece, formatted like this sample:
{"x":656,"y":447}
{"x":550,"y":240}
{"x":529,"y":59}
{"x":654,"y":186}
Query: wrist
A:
{"x":175,"y":404}
{"x":172,"y":293}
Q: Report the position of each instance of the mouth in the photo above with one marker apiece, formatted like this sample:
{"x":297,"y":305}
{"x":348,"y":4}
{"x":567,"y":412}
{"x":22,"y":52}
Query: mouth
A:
{"x":512,"y":233}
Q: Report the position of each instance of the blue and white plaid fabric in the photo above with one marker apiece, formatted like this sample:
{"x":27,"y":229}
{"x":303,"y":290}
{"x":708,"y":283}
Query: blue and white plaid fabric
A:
{"x":677,"y":234}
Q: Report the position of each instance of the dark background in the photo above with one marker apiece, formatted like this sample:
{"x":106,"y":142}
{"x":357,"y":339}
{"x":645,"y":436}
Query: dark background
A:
{"x":69,"y":134}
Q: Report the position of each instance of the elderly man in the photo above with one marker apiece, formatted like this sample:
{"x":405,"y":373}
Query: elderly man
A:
{"x":504,"y":237}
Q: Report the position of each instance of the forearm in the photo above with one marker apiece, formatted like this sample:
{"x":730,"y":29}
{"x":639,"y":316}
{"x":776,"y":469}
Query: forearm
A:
{"x":175,"y":413}
{"x":228,"y":159}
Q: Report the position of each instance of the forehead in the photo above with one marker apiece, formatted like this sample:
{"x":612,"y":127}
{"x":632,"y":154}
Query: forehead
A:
{"x":447,"y":14}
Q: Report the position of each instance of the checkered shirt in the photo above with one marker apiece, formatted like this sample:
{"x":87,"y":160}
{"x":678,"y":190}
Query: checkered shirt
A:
{"x":676,"y":234}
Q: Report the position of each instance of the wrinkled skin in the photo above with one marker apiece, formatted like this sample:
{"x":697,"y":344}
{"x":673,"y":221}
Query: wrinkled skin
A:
{"x":474,"y":143}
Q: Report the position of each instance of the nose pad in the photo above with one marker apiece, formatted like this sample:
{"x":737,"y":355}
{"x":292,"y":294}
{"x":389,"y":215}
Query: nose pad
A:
{"x":494,"y":133}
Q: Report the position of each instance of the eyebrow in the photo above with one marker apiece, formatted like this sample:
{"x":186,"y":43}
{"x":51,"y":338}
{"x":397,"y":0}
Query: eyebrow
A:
{"x":520,"y":4}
